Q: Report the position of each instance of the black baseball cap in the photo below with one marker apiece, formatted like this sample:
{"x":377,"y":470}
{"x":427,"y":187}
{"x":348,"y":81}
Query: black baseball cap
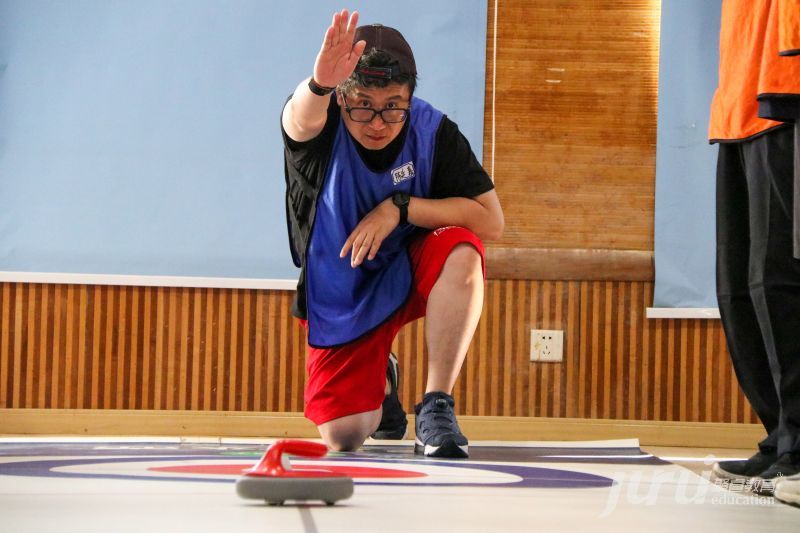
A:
{"x":390,"y":41}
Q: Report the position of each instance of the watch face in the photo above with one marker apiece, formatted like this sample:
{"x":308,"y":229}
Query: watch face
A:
{"x":401,"y":198}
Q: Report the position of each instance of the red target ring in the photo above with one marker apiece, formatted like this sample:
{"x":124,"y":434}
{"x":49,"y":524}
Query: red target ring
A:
{"x":354,"y":472}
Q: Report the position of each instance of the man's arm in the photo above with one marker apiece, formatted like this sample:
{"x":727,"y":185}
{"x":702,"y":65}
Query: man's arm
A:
{"x":305,"y":113}
{"x":481,"y":214}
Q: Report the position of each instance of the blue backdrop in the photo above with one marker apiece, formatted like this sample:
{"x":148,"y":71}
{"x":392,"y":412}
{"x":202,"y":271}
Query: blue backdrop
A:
{"x":142,"y":136}
{"x":685,"y":162}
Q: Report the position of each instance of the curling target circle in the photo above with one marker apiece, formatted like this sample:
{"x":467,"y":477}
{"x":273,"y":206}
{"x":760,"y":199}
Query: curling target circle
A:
{"x":364,"y":472}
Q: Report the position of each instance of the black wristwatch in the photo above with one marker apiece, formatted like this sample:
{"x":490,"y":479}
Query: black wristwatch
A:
{"x":317,"y":89}
{"x":401,"y":200}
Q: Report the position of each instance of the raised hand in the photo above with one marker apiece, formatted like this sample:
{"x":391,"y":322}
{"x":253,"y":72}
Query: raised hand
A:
{"x":338,"y":56}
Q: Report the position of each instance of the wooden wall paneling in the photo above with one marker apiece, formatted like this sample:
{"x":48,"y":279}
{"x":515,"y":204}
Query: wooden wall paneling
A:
{"x":273,"y":355}
{"x":6,"y":383}
{"x":606,"y":356}
{"x":299,"y":351}
{"x":40,"y":372}
{"x":120,"y":354}
{"x":183,"y":378}
{"x":196,"y":323}
{"x":207,"y":350}
{"x":79,"y":347}
{"x":259,"y":353}
{"x":245,"y":383}
{"x":572,"y":346}
{"x":494,"y":349}
{"x":132,"y":346}
{"x":417,"y":333}
{"x":234,"y":349}
{"x":283,"y":358}
{"x":509,"y":368}
{"x":712,"y":346}
{"x":31,"y":332}
{"x":575,"y":114}
{"x":623,"y":292}
{"x":520,"y":356}
{"x":634,"y":354}
{"x":596,"y":341}
{"x":542,"y":369}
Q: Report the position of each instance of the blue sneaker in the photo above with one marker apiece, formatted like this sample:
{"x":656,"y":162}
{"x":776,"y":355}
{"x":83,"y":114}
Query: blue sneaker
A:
{"x":394,"y":422}
{"x":438,"y":434}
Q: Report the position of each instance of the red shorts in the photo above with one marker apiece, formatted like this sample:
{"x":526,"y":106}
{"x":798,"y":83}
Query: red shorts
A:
{"x":351,"y":378}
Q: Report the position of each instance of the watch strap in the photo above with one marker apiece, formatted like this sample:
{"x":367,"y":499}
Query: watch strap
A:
{"x":401,"y":200}
{"x":318,"y":89}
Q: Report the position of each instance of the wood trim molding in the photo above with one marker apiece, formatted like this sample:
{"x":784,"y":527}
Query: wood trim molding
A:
{"x":114,"y":422}
{"x":569,"y":264}
{"x":562,"y":264}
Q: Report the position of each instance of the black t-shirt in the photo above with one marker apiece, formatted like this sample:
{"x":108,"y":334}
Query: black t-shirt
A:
{"x":456,"y":173}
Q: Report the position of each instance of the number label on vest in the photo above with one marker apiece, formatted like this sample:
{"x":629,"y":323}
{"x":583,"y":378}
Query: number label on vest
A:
{"x":403,"y":173}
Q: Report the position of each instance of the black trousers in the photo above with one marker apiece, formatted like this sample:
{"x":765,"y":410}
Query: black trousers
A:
{"x":758,"y":279}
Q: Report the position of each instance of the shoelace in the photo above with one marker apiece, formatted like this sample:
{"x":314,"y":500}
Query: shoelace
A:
{"x":441,"y":410}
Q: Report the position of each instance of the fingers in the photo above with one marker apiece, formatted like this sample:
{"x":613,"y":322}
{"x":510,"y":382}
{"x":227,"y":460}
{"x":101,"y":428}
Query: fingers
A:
{"x":328,"y":41}
{"x":342,"y":29}
{"x":355,"y":53}
{"x":338,"y":20}
{"x":355,"y":242}
{"x":352,"y":25}
{"x":338,"y":56}
{"x":373,"y":250}
{"x":360,"y":247}
{"x":343,"y":21}
{"x":330,"y":35}
{"x":338,"y":27}
{"x":360,"y":253}
{"x":347,"y":245}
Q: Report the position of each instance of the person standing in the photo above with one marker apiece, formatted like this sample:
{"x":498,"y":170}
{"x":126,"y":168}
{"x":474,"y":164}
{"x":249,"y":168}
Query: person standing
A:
{"x":754,"y":117}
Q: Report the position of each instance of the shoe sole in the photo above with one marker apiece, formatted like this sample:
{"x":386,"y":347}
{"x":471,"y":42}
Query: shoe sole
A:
{"x":784,"y":493}
{"x":449,"y":449}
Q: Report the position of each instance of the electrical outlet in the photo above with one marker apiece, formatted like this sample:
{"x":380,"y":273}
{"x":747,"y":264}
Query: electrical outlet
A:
{"x":547,"y":345}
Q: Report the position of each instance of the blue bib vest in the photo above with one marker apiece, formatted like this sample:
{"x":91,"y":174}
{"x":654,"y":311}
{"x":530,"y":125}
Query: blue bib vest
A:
{"x":344,"y":302}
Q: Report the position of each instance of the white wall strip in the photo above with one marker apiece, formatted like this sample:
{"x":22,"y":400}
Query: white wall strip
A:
{"x":683,"y":312}
{"x":149,"y":281}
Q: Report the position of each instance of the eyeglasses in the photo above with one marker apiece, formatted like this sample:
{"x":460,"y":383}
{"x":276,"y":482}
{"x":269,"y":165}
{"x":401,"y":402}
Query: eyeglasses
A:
{"x":390,"y":115}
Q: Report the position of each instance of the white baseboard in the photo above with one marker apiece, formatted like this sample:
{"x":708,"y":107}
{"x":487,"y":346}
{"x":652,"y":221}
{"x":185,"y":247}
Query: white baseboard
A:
{"x":683,"y":312}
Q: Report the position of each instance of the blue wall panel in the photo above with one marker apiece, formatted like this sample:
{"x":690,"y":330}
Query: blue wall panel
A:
{"x":685,"y":162}
{"x":142,"y":136}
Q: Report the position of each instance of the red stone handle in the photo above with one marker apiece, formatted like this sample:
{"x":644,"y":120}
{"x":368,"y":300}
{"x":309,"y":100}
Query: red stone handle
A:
{"x":271,"y":464}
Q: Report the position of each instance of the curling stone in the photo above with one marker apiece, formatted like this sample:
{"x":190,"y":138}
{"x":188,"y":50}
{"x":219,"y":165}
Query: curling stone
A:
{"x":273,"y":480}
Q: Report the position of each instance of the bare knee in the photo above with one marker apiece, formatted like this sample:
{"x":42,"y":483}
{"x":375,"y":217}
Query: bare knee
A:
{"x":464,"y":266}
{"x":343,"y":442}
{"x":348,"y":433}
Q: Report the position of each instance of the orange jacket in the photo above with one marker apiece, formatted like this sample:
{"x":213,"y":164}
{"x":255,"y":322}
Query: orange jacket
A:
{"x":758,"y":58}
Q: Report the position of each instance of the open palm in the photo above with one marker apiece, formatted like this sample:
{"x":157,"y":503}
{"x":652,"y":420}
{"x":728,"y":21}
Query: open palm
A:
{"x":338,"y":56}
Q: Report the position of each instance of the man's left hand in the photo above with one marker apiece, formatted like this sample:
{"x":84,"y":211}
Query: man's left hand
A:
{"x":366,"y":239}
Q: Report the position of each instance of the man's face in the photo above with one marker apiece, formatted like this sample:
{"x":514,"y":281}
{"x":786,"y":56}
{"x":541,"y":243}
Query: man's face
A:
{"x":377,"y":133}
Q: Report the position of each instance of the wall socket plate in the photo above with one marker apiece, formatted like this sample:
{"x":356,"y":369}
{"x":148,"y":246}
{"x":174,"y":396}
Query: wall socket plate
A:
{"x":547,"y":345}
